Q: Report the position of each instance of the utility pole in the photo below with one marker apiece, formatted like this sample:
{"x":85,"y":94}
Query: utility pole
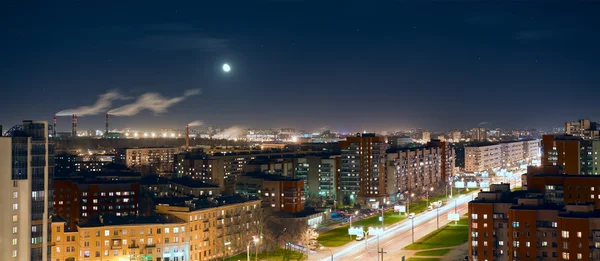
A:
{"x":438,"y":217}
{"x":413,"y":229}
{"x":381,"y":252}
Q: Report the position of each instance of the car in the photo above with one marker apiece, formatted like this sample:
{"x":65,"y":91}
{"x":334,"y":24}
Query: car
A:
{"x":411,"y":215}
{"x":430,"y":208}
{"x":360,"y":237}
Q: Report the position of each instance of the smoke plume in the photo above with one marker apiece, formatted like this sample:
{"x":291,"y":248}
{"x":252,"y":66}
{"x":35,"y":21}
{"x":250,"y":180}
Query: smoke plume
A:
{"x":153,"y":102}
{"x":484,"y":123}
{"x":234,"y":132}
{"x":102,"y":104}
{"x":195,"y":123}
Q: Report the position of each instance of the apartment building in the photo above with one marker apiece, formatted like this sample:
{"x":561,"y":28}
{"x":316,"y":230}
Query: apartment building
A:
{"x":557,"y":217}
{"x":585,"y":129}
{"x":412,"y":169}
{"x":362,"y":173}
{"x":161,"y":159}
{"x":77,"y":200}
{"x":223,"y":168}
{"x":482,"y":157}
{"x":26,"y":176}
{"x":318,"y":174}
{"x":192,"y":230}
{"x":574,"y":155}
{"x":489,"y":156}
{"x":277,"y":192}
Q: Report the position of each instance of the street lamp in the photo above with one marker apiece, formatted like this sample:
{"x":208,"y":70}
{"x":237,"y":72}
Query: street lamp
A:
{"x":255,"y":240}
{"x":408,"y":196}
{"x":427,"y":190}
{"x":329,"y":252}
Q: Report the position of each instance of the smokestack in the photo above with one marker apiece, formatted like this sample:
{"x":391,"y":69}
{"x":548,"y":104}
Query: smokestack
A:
{"x":106,"y":132}
{"x":54,"y":127}
{"x":74,"y":128}
{"x":187,"y":137}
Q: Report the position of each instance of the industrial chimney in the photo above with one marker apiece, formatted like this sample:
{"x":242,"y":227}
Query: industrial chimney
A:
{"x":74,"y":128}
{"x":106,"y":132}
{"x":54,"y":127}
{"x":187,"y":137}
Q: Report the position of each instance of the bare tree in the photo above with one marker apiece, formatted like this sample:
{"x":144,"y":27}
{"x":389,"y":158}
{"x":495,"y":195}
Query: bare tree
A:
{"x":308,"y":238}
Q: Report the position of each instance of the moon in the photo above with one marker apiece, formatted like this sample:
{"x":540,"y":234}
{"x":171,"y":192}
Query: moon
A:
{"x":226,"y":68}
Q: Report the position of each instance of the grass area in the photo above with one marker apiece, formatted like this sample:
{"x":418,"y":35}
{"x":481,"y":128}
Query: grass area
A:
{"x":437,"y":252}
{"x":277,"y":255}
{"x":423,"y":259}
{"x":448,"y":236}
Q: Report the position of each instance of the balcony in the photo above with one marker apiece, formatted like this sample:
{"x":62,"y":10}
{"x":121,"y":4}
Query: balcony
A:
{"x":153,"y":245}
{"x":134,"y":246}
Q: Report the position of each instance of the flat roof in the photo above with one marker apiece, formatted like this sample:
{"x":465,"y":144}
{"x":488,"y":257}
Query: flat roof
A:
{"x":110,"y":220}
{"x":192,"y":183}
{"x":269,"y":177}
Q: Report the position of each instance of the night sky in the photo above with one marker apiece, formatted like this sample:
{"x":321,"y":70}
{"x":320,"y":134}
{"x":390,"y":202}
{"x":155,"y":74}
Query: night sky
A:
{"x":344,"y":65}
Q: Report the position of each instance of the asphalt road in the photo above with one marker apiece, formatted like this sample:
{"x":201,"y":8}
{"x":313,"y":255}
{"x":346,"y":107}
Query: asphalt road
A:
{"x":396,"y":236}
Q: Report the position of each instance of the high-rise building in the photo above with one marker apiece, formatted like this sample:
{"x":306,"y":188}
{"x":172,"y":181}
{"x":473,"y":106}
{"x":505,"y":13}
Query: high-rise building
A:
{"x":556,"y":217}
{"x":426,"y":135}
{"x":479,"y":134}
{"x":415,"y":169}
{"x":318,"y":174}
{"x":161,"y":160}
{"x":362,"y":169}
{"x":503,"y":155}
{"x":456,"y":136}
{"x":585,"y":129}
{"x":26,"y":189}
{"x":574,"y":155}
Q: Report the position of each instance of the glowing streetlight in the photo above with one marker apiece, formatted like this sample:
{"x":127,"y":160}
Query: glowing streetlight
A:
{"x":226,"y":68}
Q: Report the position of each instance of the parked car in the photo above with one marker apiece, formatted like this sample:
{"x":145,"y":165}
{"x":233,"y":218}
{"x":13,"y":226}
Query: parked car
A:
{"x":411,"y":215}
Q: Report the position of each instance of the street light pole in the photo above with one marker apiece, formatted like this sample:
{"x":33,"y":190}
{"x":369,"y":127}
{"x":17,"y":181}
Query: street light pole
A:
{"x":413,"y":229}
{"x":438,"y":217}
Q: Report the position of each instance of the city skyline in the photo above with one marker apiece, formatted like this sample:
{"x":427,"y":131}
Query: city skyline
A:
{"x":304,"y":64}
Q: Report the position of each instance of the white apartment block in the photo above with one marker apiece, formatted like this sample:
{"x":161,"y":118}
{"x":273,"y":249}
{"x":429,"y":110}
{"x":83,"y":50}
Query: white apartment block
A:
{"x":160,"y":158}
{"x":501,"y":155}
{"x":481,"y":158}
{"x":414,"y":168}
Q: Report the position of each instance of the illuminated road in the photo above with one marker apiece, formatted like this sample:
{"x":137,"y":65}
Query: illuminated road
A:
{"x":396,"y":236}
{"x":399,"y":235}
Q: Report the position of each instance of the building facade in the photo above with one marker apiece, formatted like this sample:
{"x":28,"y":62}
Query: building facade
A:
{"x":557,"y":217}
{"x":277,"y":192}
{"x":574,"y":155}
{"x":160,"y":159}
{"x":77,"y":200}
{"x":26,"y":176}
{"x":412,"y":169}
{"x":362,"y":169}
{"x":194,"y":230}
{"x":510,"y":154}
{"x":584,"y":129}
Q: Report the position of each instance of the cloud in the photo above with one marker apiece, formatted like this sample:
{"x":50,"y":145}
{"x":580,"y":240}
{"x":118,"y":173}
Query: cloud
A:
{"x":177,"y":37}
{"x":102,"y":104}
{"x":534,"y":35}
{"x":153,"y":102}
{"x":484,"y":123}
{"x":195,"y":123}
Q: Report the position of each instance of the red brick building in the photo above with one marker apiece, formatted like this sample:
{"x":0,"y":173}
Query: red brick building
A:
{"x":77,"y":200}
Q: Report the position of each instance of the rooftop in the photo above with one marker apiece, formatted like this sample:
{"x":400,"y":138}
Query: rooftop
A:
{"x":269,"y":177}
{"x":192,"y":183}
{"x":110,"y":220}
{"x":208,"y":202}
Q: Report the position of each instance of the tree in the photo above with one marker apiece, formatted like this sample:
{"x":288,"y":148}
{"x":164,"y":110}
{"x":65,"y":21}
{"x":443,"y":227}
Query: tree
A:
{"x":308,"y":238}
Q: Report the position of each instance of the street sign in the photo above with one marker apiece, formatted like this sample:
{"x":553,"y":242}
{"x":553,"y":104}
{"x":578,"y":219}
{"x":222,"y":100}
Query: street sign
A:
{"x":459,"y":184}
{"x":355,"y":231}
{"x":453,"y":217}
{"x":400,"y":208}
{"x":471,"y":184}
{"x":376,"y":231}
{"x":484,"y":184}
